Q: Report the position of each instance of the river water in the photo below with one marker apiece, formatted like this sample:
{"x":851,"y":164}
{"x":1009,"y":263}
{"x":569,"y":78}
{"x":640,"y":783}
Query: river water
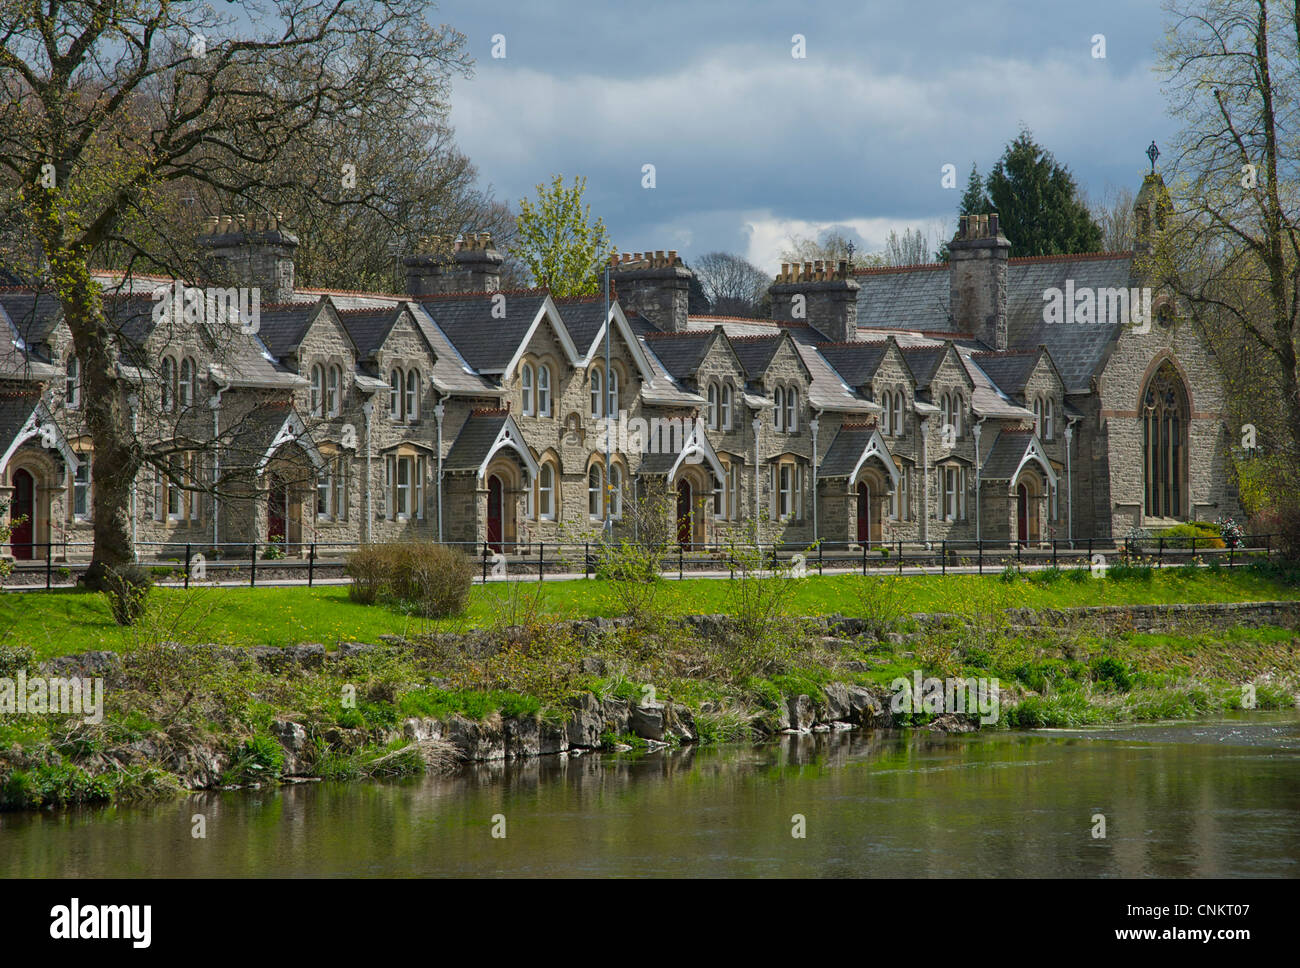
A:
{"x":1217,"y":798}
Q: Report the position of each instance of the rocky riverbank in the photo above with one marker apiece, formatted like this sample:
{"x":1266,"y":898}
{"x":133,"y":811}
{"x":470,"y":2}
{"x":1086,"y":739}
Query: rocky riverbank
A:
{"x":191,"y":717}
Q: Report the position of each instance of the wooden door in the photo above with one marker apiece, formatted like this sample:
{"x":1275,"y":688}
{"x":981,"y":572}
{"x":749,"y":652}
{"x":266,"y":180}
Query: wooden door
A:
{"x":23,"y":507}
{"x":1022,"y":514}
{"x":495,"y":511}
{"x":864,"y":513}
{"x":684,"y":514}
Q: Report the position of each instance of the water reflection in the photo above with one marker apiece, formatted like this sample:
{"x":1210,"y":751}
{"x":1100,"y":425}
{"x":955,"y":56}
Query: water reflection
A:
{"x":1215,"y":799}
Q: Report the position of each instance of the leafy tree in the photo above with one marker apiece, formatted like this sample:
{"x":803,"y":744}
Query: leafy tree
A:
{"x":1231,"y":254}
{"x":111,"y":112}
{"x":734,"y":286}
{"x":831,"y":245}
{"x":975,"y":201}
{"x":557,"y":241}
{"x":912,"y":248}
{"x":1038,"y":203}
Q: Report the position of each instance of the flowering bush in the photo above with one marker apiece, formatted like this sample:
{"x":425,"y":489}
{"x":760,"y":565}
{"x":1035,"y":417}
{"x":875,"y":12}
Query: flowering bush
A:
{"x":1229,"y":530}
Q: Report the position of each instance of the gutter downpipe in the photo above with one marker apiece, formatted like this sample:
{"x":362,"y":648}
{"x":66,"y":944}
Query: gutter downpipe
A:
{"x":438,"y":412}
{"x":215,"y":401}
{"x":368,"y":408}
{"x":979,"y":466}
{"x":757,"y":424}
{"x":1069,"y":484}
{"x":813,"y":425}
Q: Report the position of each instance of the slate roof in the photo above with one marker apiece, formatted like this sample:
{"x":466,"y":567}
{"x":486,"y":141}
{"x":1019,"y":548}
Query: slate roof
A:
{"x":251,"y":437}
{"x":855,"y":362}
{"x":680,"y":353}
{"x":917,"y":298}
{"x":924,"y":362}
{"x":369,"y":327}
{"x":755,"y":352}
{"x":1006,"y":454}
{"x":663,"y":389}
{"x":283,"y":326}
{"x":1010,"y":370}
{"x":34,"y":314}
{"x":15,"y":410}
{"x":477,"y":435}
{"x":582,"y":318}
{"x":845,"y":450}
{"x":487,"y":344}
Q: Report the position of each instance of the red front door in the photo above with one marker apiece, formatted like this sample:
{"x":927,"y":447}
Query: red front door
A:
{"x":496,"y":507}
{"x":684,"y":514}
{"x":864,"y":512}
{"x":23,"y":507}
{"x":1022,"y":514}
{"x":277,"y":505}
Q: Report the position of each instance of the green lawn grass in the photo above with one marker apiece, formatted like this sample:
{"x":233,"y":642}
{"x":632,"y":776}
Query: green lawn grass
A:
{"x":65,"y":622}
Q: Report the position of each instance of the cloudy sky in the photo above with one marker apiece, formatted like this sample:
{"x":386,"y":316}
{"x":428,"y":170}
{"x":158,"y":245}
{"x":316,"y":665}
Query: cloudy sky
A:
{"x":751,"y":144}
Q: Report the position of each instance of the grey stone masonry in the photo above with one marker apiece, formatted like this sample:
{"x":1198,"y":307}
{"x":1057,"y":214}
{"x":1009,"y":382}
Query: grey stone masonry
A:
{"x":468,"y":264}
{"x":654,"y":284}
{"x":822,"y":294}
{"x":977,"y":275}
{"x":252,"y":251}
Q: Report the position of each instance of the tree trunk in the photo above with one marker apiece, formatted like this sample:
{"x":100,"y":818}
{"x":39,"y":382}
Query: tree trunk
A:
{"x":117,"y":453}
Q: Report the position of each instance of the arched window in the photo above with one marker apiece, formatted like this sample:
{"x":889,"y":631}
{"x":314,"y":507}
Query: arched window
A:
{"x":958,"y":415}
{"x":72,"y":390}
{"x":1049,"y":420}
{"x":725,"y":418}
{"x":596,"y":393}
{"x":546,"y":492}
{"x":615,"y":491}
{"x":595,"y":488}
{"x":186,"y":386}
{"x":317,"y":390}
{"x":333,"y":385}
{"x":778,"y":418}
{"x":395,"y":394}
{"x":791,"y":410}
{"x":526,"y":386}
{"x":413,"y":395}
{"x":612,"y":409}
{"x":168,"y":384}
{"x":712,"y":410}
{"x":898,"y":413}
{"x":1038,"y":416}
{"x":1164,"y":443}
{"x":886,"y":413}
{"x":543,"y":390}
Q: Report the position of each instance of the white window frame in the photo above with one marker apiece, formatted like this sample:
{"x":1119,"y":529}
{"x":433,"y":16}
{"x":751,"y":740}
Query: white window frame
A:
{"x":792,"y":410}
{"x":616,"y":492}
{"x":898,"y":413}
{"x":168,"y":384}
{"x":711,"y":408}
{"x":526,"y":388}
{"x":778,"y":418}
{"x":317,"y":393}
{"x":82,"y":488}
{"x":411,"y":404}
{"x":595,"y":493}
{"x":333,"y":391}
{"x":543,"y":390}
{"x":546,"y":492}
{"x":72,"y":385}
{"x":725,"y":416}
{"x":396,"y":388}
{"x":597,"y":392}
{"x":611,"y":392}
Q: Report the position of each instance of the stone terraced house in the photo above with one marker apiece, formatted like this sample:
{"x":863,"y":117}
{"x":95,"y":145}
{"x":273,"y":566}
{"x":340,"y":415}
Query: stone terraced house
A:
{"x":919,"y":404}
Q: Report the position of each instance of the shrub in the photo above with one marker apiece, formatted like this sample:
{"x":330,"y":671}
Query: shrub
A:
{"x":1108,"y":669}
{"x":127,"y":590}
{"x":1180,"y":536}
{"x":431,"y":579}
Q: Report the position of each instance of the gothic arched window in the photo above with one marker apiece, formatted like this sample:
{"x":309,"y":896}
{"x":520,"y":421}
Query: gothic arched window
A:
{"x":1164,"y":444}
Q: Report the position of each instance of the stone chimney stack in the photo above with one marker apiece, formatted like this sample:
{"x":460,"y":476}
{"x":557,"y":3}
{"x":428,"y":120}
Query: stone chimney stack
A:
{"x":977,"y":277}
{"x":654,"y":284}
{"x":442,"y":265}
{"x":822,"y":294}
{"x":252,"y":251}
